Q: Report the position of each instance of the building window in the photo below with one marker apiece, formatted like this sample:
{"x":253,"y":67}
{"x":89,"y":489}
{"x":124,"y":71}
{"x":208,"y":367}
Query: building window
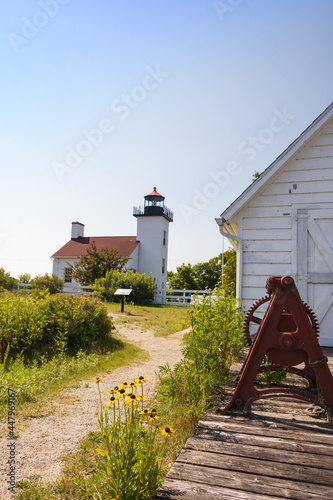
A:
{"x":163,"y":266}
{"x":68,"y":275}
{"x":164,"y":238}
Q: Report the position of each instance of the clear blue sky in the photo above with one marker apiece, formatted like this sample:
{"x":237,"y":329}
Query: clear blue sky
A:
{"x":103,"y":100}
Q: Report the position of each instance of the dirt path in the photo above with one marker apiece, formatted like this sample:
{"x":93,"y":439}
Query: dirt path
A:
{"x":44,"y":440}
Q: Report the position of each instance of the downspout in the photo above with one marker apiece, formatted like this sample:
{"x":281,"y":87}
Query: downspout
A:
{"x":220,"y":221}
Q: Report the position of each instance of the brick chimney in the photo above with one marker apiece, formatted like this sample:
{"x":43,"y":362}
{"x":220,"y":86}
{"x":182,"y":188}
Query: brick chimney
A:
{"x":77,"y":230}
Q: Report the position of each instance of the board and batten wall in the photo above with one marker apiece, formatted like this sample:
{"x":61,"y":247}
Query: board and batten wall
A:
{"x":268,"y":225}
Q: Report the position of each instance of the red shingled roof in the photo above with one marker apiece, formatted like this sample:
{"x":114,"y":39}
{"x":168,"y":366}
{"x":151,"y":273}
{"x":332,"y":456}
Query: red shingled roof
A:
{"x":76,"y":247}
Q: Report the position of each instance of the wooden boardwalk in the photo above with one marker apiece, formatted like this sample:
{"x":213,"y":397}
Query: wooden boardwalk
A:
{"x":281,"y":451}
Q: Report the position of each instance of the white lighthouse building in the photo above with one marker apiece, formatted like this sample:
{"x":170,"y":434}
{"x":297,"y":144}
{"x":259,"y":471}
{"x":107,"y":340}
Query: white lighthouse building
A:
{"x":153,"y":234}
{"x":147,"y":251}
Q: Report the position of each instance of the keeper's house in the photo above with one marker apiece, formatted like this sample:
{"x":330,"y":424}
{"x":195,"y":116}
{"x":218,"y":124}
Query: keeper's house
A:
{"x":282,"y":224}
{"x":147,"y":251}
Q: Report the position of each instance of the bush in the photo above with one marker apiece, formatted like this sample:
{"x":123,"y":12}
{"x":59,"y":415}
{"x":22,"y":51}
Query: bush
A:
{"x":143,"y":288}
{"x":50,"y":324}
{"x":52,"y":283}
{"x":211,"y":346}
{"x":7,"y":282}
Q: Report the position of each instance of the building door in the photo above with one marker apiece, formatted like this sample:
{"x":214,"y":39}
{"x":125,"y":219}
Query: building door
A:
{"x":315,"y":266}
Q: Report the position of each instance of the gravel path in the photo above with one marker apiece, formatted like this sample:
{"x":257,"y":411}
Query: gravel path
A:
{"x":44,"y":440}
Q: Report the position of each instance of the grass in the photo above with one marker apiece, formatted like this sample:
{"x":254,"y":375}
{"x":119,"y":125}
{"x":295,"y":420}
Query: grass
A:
{"x":40,"y":388}
{"x":80,"y":477}
{"x":164,"y":320}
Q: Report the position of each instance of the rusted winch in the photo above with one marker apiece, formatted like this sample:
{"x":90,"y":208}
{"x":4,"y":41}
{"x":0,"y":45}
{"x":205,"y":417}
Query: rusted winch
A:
{"x":288,"y":336}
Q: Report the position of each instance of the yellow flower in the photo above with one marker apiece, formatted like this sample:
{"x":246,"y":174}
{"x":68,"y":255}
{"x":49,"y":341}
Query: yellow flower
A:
{"x":113,"y":391}
{"x":98,"y":379}
{"x":124,"y":385}
{"x":166,"y":431}
{"x":113,"y":399}
{"x":139,"y":397}
{"x":130,"y":399}
{"x":149,"y":414}
{"x":140,"y":379}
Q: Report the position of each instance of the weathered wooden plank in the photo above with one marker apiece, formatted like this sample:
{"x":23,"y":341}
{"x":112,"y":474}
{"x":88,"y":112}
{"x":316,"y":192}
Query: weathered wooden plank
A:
{"x":267,"y":246}
{"x":260,"y":453}
{"x":267,"y":234}
{"x":254,"y":466}
{"x":310,"y":186}
{"x":304,"y":176}
{"x":303,"y":164}
{"x":323,"y":140}
{"x":254,"y":483}
{"x":175,"y":489}
{"x":266,"y":258}
{"x":287,"y":199}
{"x":265,"y":441}
{"x":266,"y":270}
{"x":250,"y":426}
{"x":316,"y":152}
{"x":268,"y":212}
{"x":283,"y":222}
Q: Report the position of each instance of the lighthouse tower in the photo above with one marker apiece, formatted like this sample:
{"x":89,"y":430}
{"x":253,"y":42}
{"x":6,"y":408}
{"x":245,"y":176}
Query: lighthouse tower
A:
{"x":153,"y":234}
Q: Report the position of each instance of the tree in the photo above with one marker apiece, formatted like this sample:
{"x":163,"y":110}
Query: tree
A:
{"x":51,"y":282}
{"x":206,"y":274}
{"x":95,"y":264}
{"x":6,"y":280}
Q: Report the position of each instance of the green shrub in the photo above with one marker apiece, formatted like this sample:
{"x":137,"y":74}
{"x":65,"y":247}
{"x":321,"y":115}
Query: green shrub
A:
{"x":50,"y":324}
{"x":7,"y":282}
{"x":211,"y":346}
{"x":143,"y":288}
{"x":52,"y":283}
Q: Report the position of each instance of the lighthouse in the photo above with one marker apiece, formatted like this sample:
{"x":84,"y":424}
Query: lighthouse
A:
{"x":153,"y":234}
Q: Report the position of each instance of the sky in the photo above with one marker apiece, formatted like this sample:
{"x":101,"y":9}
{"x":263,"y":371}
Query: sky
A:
{"x":101,"y":101}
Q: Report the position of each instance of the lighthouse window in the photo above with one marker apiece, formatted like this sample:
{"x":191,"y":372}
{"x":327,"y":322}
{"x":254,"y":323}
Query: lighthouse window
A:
{"x":164,"y":238}
{"x":163,"y":266}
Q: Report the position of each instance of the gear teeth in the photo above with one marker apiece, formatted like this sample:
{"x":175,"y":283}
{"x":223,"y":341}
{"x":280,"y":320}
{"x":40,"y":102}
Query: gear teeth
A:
{"x":249,"y":315}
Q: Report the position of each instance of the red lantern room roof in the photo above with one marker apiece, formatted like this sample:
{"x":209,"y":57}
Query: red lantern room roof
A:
{"x":154,"y":193}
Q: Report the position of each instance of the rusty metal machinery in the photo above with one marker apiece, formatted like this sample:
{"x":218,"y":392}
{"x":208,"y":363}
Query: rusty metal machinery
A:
{"x":288,"y":335}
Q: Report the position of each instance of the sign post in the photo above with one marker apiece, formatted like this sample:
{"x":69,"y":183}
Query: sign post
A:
{"x":123,"y":292}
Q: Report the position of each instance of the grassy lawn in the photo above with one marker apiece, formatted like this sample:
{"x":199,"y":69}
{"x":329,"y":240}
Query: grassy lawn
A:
{"x":162,"y":319}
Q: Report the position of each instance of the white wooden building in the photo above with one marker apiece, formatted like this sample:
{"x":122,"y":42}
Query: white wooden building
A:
{"x":147,"y":251}
{"x":282,"y":224}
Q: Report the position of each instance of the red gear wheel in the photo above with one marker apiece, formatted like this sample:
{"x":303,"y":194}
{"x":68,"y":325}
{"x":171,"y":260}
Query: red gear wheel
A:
{"x":251,"y":318}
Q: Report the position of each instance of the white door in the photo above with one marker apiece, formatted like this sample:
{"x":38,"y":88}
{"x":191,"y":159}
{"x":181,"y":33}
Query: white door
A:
{"x":315,"y":266}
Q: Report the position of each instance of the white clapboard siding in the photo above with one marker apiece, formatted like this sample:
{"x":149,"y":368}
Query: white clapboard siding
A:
{"x":267,"y":269}
{"x":320,"y":164}
{"x":267,"y":222}
{"x":308,"y":187}
{"x":323,"y":140}
{"x":267,"y":246}
{"x":299,"y":176}
{"x":266,"y":257}
{"x":268,"y":212}
{"x":266,"y":234}
{"x":284,"y":200}
{"x":317,"y":152}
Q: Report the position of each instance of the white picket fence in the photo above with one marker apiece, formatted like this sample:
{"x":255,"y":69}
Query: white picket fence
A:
{"x":72,"y":290}
{"x":184,"y":297}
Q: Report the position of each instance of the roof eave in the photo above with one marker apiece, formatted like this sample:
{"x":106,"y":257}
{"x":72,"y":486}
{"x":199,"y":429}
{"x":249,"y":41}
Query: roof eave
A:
{"x":292,"y":150}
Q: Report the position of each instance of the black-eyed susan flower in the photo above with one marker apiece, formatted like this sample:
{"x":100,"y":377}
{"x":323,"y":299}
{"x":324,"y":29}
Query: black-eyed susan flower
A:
{"x":124,"y":385}
{"x":122,"y":392}
{"x":166,"y":431}
{"x":113,"y":399}
{"x":114,"y":390}
{"x":140,"y":379}
{"x":98,"y":379}
{"x":130,"y":399}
